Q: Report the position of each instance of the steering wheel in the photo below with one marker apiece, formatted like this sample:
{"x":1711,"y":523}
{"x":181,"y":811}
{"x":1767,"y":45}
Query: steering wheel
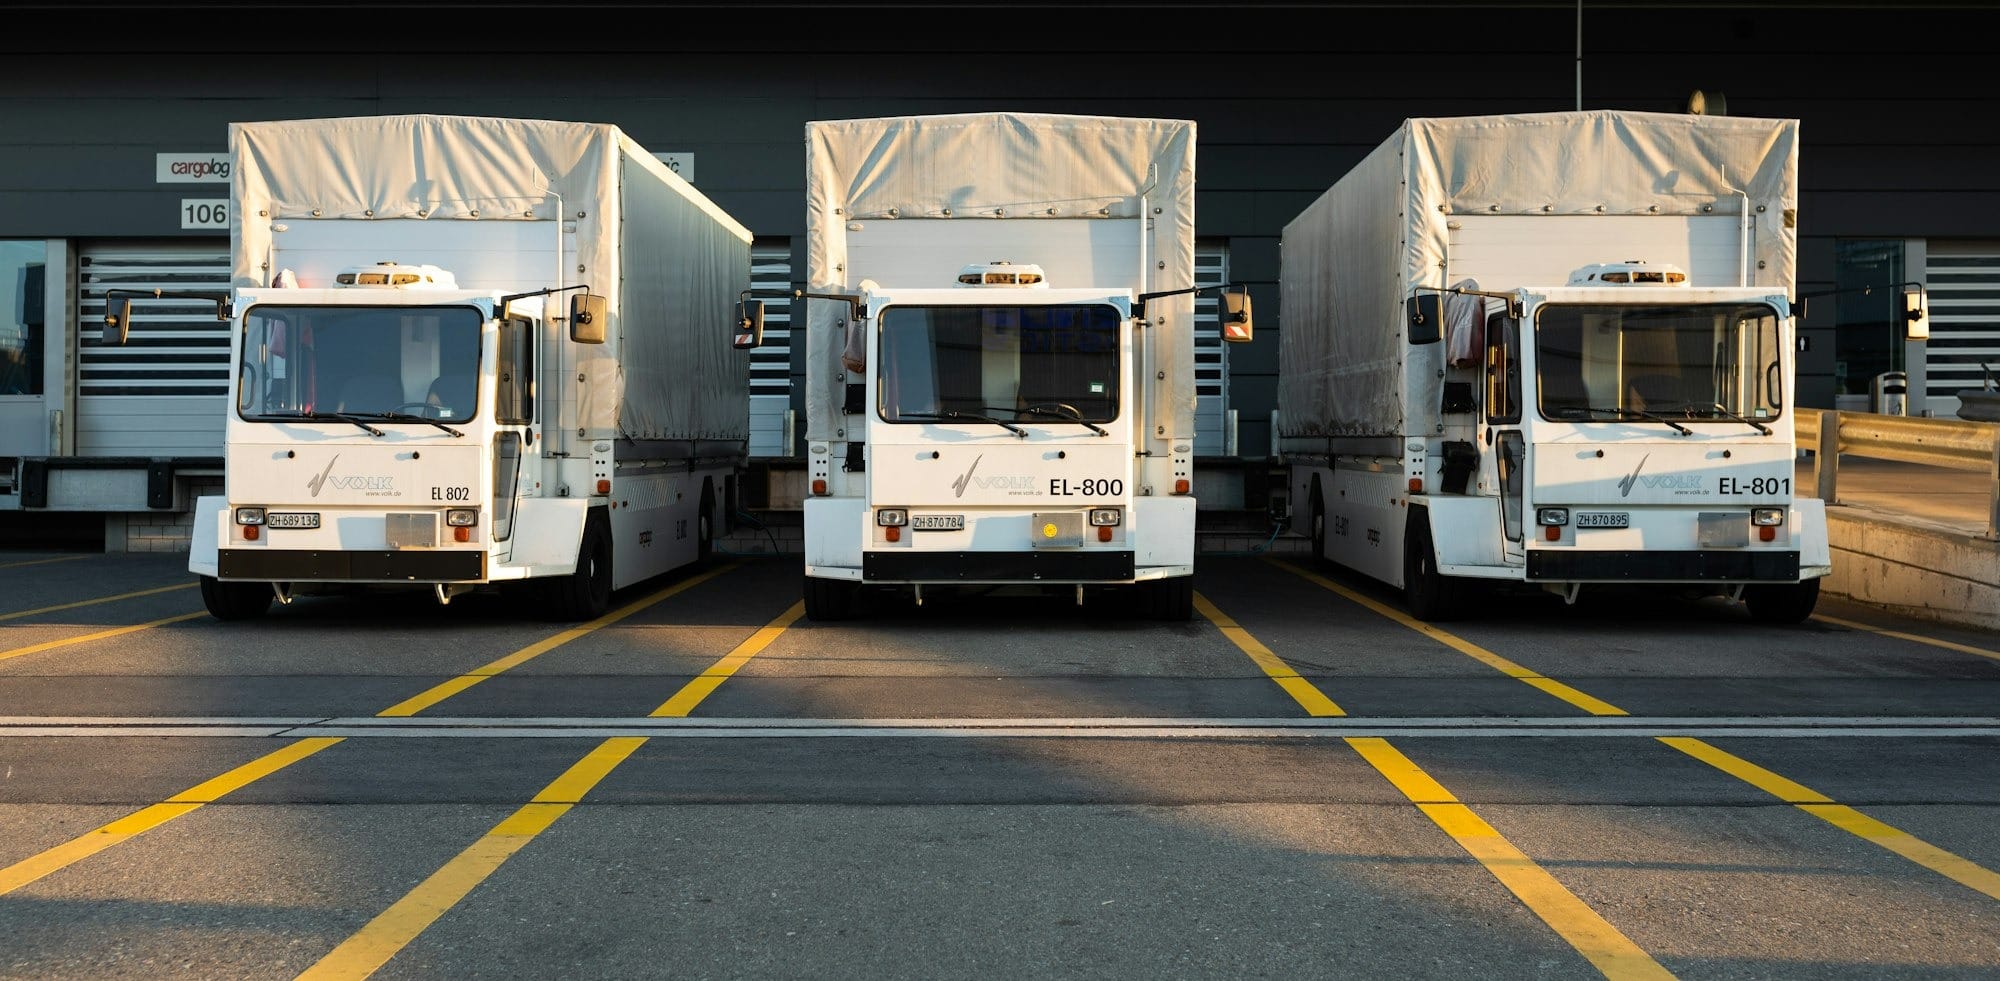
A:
{"x":426,"y":409}
{"x":1074,"y":412}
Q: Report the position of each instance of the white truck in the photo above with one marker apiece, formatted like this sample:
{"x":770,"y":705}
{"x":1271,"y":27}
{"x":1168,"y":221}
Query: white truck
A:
{"x":470,"y":352}
{"x":1554,"y":349}
{"x":1000,"y":381}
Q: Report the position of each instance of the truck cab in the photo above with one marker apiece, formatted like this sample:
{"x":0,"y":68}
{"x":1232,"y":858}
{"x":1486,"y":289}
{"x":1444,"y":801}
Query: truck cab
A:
{"x":997,"y":447}
{"x":376,"y":434}
{"x":1623,"y":427}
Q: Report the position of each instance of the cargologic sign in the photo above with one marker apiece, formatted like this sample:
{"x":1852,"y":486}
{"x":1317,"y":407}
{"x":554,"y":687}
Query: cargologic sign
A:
{"x":192,"y":168}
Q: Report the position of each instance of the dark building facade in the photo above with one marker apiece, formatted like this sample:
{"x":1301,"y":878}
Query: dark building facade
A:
{"x":113,"y":157}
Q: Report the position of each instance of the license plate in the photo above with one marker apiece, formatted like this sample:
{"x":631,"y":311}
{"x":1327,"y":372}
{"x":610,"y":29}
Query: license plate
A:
{"x":1603,"y":519}
{"x":937,"y":522}
{"x":292,"y":519}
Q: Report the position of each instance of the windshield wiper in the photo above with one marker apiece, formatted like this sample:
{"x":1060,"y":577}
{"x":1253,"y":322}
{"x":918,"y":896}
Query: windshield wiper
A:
{"x":1626,"y":414}
{"x":1050,"y":410}
{"x":408,"y":417}
{"x":316,"y":416}
{"x":969,"y":416}
{"x":1752,"y":423}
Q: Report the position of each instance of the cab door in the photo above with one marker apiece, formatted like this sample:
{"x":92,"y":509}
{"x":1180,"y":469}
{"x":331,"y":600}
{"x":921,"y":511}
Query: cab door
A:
{"x":1503,"y":447}
{"x":514,"y":435}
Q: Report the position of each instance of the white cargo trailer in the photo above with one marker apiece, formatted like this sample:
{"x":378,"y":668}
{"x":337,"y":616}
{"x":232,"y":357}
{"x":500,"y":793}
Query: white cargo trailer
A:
{"x":1000,"y":366}
{"x":1554,"y":349}
{"x":470,"y":351}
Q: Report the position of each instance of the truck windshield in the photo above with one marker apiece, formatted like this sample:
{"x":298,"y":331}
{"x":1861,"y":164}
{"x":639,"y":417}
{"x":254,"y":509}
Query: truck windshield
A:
{"x":1705,"y":363}
{"x":1044,"y":364}
{"x":359,"y":361}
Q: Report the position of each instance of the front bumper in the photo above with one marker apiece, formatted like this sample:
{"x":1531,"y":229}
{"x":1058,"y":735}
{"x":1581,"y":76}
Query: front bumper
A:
{"x":363,"y":565}
{"x":1093,"y":565}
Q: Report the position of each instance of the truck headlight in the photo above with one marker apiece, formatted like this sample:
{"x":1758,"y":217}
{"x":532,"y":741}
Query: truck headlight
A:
{"x":461,"y":517}
{"x":1106,"y":517}
{"x":1552,"y":517}
{"x":249,"y":516}
{"x":892,"y":517}
{"x":1767,"y":517}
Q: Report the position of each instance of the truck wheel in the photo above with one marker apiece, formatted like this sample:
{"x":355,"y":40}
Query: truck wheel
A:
{"x":704,"y":548}
{"x":1170,"y":599}
{"x":586,"y":593}
{"x":1429,"y":594}
{"x":235,"y":600}
{"x":1782,"y":602}
{"x":830,"y":599}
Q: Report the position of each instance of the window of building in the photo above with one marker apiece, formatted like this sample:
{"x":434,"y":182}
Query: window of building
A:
{"x":1868,"y":331}
{"x":23,"y":271}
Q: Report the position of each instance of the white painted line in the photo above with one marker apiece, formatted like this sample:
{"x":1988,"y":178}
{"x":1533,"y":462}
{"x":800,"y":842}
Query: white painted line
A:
{"x":1095,"y":728}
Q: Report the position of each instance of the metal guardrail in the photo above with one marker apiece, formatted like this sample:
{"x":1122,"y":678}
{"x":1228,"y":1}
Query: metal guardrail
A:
{"x":1955,"y":443}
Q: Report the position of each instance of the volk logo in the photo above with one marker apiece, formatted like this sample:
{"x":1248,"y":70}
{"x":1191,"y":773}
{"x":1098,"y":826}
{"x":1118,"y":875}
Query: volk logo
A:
{"x":1679,"y":483}
{"x":958,"y":486}
{"x":379,"y":486}
{"x":315,"y":483}
{"x":1012,"y":483}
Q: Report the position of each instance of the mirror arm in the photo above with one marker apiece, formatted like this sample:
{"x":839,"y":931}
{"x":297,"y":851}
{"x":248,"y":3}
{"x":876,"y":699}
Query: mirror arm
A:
{"x":853,"y":300}
{"x":223,"y":308}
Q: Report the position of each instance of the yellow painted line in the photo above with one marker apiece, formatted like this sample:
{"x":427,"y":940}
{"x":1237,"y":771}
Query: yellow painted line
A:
{"x":1594,"y":706}
{"x":373,"y":945}
{"x":442,"y":691}
{"x":1909,"y":846}
{"x":94,"y":602}
{"x":1302,"y":691}
{"x":1748,"y":772}
{"x":191,"y":799}
{"x":1845,"y":818}
{"x":90,"y":843}
{"x":694,"y":691}
{"x":1607,"y":949}
{"x":1414,"y":783}
{"x":1804,"y":798}
{"x":387,"y":934}
{"x":60,"y":558}
{"x":1915,"y":638}
{"x":99,"y":635}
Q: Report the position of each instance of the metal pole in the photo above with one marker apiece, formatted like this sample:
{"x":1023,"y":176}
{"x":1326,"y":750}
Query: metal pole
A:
{"x":1579,"y":55}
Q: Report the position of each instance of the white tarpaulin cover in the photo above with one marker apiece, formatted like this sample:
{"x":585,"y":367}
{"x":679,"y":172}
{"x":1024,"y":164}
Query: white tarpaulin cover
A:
{"x":1000,"y":165}
{"x":670,"y":263}
{"x":1352,"y":257}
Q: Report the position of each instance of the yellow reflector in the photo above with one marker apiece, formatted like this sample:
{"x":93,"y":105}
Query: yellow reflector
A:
{"x":1049,"y":530}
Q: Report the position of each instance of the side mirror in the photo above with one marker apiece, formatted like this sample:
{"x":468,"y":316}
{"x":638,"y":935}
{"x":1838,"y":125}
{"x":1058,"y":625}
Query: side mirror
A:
{"x":1917,"y":319}
{"x":1234,"y":311}
{"x":586,"y":318}
{"x":117,"y":321}
{"x":749,"y":323}
{"x":1426,"y":311}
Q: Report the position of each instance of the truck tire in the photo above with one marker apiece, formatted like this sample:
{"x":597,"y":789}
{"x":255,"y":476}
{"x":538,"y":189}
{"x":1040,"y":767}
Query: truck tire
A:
{"x":1782,"y":602}
{"x":235,"y":600}
{"x":586,"y":593}
{"x":830,"y":599}
{"x":1170,"y":599}
{"x":1429,"y":594}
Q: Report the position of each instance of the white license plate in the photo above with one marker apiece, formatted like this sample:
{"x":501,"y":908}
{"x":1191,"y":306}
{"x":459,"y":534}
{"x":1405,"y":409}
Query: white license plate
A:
{"x":937,"y":522}
{"x":1603,"y":519}
{"x":292,"y":519}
